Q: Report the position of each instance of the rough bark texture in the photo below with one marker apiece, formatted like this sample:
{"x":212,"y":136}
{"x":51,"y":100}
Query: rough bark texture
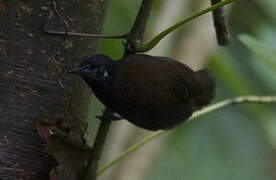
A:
{"x":30,"y":94}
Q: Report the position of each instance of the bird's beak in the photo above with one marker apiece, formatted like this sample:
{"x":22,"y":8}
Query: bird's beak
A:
{"x":79,"y":70}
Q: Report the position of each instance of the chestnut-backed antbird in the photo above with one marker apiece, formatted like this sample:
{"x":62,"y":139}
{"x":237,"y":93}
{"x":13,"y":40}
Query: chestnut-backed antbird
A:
{"x":148,"y":91}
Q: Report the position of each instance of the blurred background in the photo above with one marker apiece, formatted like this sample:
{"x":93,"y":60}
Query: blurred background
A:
{"x":233,"y":143}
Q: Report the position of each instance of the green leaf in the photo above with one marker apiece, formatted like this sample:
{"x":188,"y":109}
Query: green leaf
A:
{"x":265,"y":54}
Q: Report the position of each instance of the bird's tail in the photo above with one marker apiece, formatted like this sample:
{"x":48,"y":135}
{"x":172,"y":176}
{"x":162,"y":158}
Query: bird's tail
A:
{"x":208,"y":84}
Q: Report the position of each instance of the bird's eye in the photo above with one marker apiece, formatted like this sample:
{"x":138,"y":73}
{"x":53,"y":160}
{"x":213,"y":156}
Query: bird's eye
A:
{"x":105,"y":73}
{"x":101,"y":73}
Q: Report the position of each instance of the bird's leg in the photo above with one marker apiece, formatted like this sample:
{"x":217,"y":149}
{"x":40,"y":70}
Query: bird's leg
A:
{"x":109,"y":115}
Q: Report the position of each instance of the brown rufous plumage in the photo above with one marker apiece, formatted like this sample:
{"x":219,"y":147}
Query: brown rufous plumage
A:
{"x":150,"y":92}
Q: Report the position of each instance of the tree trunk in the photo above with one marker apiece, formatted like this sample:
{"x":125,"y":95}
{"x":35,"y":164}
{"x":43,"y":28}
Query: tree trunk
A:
{"x":33,"y":106}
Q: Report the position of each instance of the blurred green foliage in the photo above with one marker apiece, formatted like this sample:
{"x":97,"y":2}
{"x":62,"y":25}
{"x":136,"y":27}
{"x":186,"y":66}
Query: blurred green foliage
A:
{"x":235,"y":143}
{"x":264,"y":52}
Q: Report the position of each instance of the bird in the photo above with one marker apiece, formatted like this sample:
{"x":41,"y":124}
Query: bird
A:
{"x":151,"y":92}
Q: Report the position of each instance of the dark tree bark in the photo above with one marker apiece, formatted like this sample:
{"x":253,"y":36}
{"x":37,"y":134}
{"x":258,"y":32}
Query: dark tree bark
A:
{"x":32,"y":104}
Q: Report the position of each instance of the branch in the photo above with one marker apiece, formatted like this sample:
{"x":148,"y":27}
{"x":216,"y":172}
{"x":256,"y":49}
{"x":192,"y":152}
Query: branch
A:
{"x":220,"y":25}
{"x":210,"y":108}
{"x":137,"y":31}
{"x":94,"y":157}
{"x":135,"y":36}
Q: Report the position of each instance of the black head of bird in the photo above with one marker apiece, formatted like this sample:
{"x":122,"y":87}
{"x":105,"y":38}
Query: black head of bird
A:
{"x":148,"y":91}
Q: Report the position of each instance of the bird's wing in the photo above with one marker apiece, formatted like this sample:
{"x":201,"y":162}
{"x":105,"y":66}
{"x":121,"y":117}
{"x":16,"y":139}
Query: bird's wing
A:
{"x":152,"y":77}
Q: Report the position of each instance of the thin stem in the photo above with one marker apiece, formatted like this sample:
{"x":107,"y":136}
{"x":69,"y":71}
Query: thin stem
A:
{"x":159,"y":37}
{"x":62,"y":33}
{"x":213,"y":107}
{"x":129,"y":150}
{"x":66,"y":25}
